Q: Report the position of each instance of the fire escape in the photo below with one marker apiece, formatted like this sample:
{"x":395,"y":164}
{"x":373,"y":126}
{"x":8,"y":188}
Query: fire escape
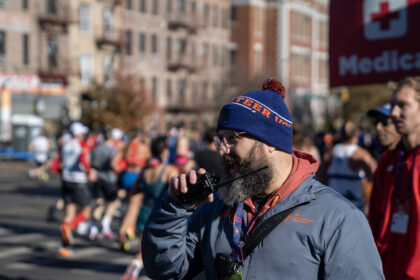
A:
{"x":184,"y":60}
{"x":54,"y":22}
{"x":188,"y":23}
{"x":110,"y":35}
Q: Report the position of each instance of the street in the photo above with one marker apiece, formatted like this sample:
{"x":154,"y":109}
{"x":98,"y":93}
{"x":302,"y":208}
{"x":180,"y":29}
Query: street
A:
{"x":28,"y":243}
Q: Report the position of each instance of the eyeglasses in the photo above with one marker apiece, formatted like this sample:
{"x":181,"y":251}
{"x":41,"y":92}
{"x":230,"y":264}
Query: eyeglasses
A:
{"x":227,"y":141}
{"x":383,"y":121}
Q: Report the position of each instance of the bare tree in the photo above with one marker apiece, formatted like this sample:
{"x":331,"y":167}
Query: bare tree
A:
{"x":126,"y":104}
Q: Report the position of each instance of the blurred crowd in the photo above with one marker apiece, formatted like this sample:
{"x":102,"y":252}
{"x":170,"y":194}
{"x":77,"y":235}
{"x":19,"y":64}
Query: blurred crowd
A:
{"x":100,"y":169}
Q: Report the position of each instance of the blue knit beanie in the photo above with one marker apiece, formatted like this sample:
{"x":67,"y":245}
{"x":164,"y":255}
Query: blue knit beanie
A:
{"x":262,"y":114}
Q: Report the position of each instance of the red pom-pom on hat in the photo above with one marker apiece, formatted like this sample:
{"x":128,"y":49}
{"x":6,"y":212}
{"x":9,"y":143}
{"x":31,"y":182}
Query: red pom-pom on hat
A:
{"x":271,"y":84}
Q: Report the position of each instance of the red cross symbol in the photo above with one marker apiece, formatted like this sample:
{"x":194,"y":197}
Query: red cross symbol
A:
{"x":384,"y":16}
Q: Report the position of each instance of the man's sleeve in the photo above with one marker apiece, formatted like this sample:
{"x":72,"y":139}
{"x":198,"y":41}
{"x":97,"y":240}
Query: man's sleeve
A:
{"x":169,"y":243}
{"x":350,"y":252}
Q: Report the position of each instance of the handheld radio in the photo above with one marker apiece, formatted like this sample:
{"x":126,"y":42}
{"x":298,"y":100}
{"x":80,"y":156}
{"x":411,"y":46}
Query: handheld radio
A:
{"x":206,"y":184}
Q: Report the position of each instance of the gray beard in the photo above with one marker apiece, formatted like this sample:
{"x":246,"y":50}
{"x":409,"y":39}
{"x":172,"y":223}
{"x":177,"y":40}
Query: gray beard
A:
{"x":250,"y":185}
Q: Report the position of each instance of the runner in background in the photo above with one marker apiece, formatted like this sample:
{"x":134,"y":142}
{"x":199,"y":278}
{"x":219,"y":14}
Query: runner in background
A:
{"x":132,"y":159}
{"x":351,"y":170}
{"x":104,"y":177}
{"x":40,"y":147}
{"x":150,"y":186}
{"x":75,"y":192}
{"x":56,"y":167}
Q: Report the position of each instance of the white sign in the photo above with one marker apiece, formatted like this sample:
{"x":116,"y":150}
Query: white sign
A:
{"x":30,"y":83}
{"x":384,"y":19}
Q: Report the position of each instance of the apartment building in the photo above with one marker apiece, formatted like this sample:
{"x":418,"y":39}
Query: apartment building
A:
{"x":52,"y":51}
{"x":32,"y":73}
{"x":179,"y":49}
{"x":287,"y":39}
{"x":95,"y":41}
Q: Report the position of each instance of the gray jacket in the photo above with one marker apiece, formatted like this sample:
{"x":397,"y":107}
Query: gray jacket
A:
{"x":326,"y":238}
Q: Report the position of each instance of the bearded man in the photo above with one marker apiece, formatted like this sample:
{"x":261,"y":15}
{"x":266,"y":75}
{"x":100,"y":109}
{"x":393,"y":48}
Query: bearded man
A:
{"x":322,"y":235}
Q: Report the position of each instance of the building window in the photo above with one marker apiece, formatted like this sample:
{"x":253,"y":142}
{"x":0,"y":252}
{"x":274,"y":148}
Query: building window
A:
{"x":169,"y":91}
{"x":128,"y":42}
{"x":52,"y":52}
{"x":85,"y":66}
{"x":193,"y":52}
{"x":108,"y":67}
{"x":25,"y":5}
{"x":204,"y":92}
{"x":181,"y":5}
{"x":108,"y":23}
{"x":323,"y":71}
{"x":142,"y":45}
{"x":206,"y":13}
{"x":181,"y":90}
{"x":51,"y":6}
{"x":25,"y":49}
{"x":154,"y":44}
{"x":169,"y":48}
{"x":128,"y":4}
{"x":323,"y":33}
{"x":233,"y":13}
{"x":155,"y":7}
{"x":301,"y":67}
{"x":259,"y":20}
{"x":194,"y":96}
{"x":2,"y":46}
{"x":168,"y":6}
{"x":154,"y":88}
{"x":215,"y":17}
{"x":193,"y":7}
{"x":301,"y":26}
{"x":222,"y":55}
{"x":215,"y":55}
{"x":182,"y":46}
{"x":205,"y":52}
{"x":225,"y":18}
{"x":142,"y":5}
{"x":84,"y":17}
{"x":233,"y":58}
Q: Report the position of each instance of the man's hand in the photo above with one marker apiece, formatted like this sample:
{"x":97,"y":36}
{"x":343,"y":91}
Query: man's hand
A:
{"x":178,"y":185}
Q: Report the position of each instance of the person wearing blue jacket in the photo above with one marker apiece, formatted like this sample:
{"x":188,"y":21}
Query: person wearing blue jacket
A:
{"x":323,"y":235}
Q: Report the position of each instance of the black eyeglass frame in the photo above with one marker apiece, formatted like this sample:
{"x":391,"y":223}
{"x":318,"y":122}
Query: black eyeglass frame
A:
{"x":229,"y":140}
